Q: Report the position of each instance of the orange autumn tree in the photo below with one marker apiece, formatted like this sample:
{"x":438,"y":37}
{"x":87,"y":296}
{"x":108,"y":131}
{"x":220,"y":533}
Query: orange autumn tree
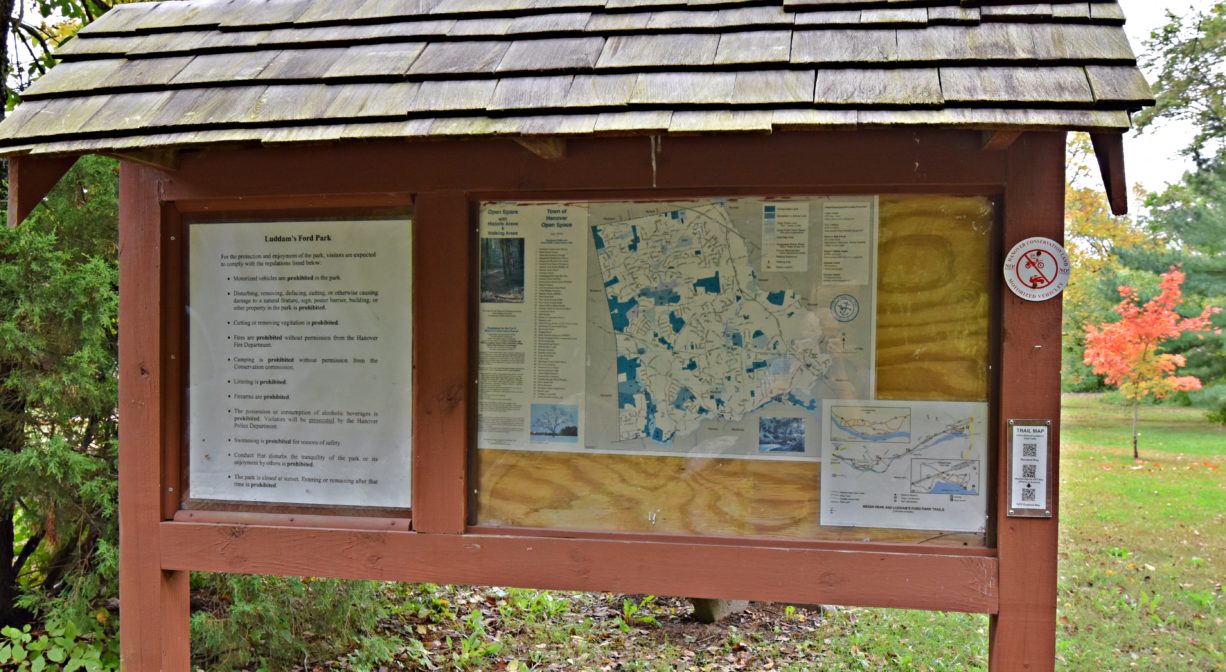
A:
{"x":1126,"y":352}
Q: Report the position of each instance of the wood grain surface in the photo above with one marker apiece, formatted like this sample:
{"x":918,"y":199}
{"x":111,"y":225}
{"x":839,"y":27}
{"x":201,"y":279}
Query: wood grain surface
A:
{"x":933,"y":321}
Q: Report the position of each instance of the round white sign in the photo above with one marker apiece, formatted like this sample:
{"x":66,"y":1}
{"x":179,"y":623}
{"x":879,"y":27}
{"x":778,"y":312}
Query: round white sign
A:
{"x":1037,"y":269}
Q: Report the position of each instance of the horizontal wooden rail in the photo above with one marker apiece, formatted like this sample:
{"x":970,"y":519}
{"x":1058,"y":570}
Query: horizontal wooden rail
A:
{"x":868,"y":578}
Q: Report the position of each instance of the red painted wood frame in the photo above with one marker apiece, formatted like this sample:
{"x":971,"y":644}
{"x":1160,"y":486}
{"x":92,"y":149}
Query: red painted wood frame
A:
{"x":1015,"y":582}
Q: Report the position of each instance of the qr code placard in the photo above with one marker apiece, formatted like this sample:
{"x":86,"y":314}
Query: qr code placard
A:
{"x":1028,"y":494}
{"x":1030,"y":471}
{"x":1030,"y":449}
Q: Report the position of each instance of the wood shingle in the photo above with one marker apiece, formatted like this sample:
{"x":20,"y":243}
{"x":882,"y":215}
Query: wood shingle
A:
{"x":204,"y":71}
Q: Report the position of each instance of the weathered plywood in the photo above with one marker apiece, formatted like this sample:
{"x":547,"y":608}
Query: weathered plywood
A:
{"x":933,"y":341}
{"x":934,"y":298}
{"x":666,"y":495}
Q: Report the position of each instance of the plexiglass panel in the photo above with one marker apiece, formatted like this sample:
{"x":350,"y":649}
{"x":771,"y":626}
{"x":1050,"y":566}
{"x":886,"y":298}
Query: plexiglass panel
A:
{"x":810,"y":368}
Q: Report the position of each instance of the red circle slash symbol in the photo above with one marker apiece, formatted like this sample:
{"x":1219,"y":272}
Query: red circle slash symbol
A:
{"x":1031,"y":272}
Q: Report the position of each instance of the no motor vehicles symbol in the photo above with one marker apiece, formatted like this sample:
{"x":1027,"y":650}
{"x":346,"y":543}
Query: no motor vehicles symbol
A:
{"x":1037,"y":269}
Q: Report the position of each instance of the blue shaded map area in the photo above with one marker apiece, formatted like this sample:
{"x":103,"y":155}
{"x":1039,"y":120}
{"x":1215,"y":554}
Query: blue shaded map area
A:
{"x":697,"y":338}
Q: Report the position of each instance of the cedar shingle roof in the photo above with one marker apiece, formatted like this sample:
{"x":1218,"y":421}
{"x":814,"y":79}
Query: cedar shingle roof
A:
{"x":210,"y":71}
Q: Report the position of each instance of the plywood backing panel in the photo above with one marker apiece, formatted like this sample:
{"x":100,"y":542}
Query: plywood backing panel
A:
{"x":933,"y":308}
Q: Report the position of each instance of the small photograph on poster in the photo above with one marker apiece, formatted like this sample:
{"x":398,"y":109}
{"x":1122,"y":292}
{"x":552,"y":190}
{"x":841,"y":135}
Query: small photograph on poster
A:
{"x":502,"y":270}
{"x":945,"y":477}
{"x":555,"y":423}
{"x":781,"y":435}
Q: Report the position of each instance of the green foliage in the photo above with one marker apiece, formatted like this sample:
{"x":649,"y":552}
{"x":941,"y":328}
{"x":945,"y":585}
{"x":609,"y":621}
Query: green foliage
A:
{"x":637,"y":613}
{"x":58,"y":426}
{"x":1213,"y":400}
{"x":61,"y":647}
{"x":1185,"y":222}
{"x":1095,"y":240}
{"x":277,"y":623}
{"x":1189,"y":54}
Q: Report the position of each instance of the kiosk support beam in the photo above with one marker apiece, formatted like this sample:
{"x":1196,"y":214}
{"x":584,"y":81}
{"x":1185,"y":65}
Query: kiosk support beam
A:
{"x":441,"y":242}
{"x":1109,"y":150}
{"x":1023,"y":632}
{"x":30,"y":180}
{"x":154,"y":631}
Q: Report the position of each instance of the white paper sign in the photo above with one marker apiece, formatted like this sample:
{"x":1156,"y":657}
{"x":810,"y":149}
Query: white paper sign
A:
{"x":533,"y":326}
{"x":917,"y":465}
{"x":301,"y":362}
{"x":1028,"y":471}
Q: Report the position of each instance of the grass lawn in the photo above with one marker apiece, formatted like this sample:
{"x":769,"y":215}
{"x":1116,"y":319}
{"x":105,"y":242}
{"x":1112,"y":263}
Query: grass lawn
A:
{"x":1143,"y":546}
{"x":1142,"y":560}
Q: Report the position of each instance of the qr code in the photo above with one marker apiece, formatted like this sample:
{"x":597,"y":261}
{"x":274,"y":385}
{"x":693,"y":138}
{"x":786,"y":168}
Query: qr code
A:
{"x":1029,"y":471}
{"x":1030,"y":449}
{"x":1028,"y":494}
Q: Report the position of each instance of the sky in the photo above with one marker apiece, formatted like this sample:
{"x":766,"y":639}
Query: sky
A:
{"x":1152,"y":158}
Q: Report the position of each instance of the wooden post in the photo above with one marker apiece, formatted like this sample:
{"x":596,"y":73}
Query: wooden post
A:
{"x":154,"y":604}
{"x":1023,"y":633}
{"x":441,"y":361}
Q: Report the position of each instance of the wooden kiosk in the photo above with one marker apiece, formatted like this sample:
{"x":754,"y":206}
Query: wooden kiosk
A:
{"x":704,"y":298}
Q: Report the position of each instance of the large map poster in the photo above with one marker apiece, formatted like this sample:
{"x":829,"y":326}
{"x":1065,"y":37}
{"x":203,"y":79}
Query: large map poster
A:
{"x":709,"y":328}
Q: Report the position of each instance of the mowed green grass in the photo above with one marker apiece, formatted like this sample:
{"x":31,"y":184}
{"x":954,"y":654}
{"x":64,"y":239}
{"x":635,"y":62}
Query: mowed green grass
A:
{"x":1141,"y":564}
{"x":1143,"y":545}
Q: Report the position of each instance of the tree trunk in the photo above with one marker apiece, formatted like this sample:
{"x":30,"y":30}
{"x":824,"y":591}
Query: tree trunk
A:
{"x":1135,"y":454}
{"x":8,"y":582}
{"x":12,"y":439}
